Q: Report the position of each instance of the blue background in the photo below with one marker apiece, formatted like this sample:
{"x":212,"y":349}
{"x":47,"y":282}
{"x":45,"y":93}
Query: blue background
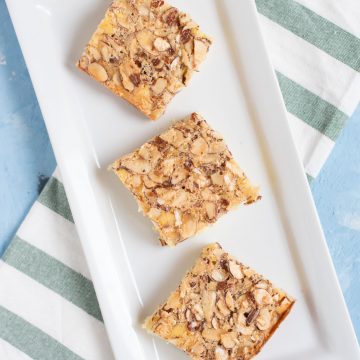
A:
{"x":27,"y":161}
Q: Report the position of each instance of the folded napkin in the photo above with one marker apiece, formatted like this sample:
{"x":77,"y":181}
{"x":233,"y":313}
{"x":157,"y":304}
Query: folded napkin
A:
{"x":48,"y":306}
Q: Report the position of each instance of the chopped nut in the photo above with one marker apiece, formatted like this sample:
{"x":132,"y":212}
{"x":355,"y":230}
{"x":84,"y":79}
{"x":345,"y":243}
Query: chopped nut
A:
{"x":98,"y":72}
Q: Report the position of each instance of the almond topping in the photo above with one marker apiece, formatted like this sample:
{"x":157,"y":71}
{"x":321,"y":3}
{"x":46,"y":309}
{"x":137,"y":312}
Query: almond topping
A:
{"x":263,"y":319}
{"x":262,"y":297}
{"x":235,"y":270}
{"x":98,"y":72}
{"x":159,"y":86}
{"x":200,"y":51}
{"x":161,"y":44}
{"x":199,"y":147}
{"x":221,"y":354}
{"x":138,"y":166}
{"x":228,"y":340}
{"x":218,"y":275}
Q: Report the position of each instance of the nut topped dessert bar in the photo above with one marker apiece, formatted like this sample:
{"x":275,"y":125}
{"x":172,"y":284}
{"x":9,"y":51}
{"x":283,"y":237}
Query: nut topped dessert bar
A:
{"x":145,"y":51}
{"x":185,"y":179}
{"x":222,"y":310}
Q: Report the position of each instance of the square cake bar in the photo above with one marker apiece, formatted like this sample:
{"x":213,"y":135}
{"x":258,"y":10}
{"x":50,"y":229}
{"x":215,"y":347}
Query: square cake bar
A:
{"x":222,"y":310}
{"x":145,"y":51}
{"x":185,"y":179}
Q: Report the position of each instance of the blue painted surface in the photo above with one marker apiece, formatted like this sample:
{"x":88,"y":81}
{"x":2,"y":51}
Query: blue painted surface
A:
{"x":26,"y":157}
{"x":26,"y":161}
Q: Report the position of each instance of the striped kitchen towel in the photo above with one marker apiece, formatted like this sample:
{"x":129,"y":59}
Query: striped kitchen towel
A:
{"x":48,"y":307}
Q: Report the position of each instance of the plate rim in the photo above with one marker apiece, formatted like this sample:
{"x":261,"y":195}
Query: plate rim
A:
{"x":68,"y":171}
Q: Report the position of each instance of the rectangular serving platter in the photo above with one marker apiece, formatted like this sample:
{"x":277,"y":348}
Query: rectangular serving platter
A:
{"x":236,"y":91}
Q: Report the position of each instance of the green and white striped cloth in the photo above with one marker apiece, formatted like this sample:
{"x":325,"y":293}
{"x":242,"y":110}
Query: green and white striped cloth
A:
{"x":48,"y":307}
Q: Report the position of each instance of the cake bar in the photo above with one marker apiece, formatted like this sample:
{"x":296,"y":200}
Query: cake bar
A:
{"x":185,"y":179}
{"x":222,"y":310}
{"x":145,"y":51}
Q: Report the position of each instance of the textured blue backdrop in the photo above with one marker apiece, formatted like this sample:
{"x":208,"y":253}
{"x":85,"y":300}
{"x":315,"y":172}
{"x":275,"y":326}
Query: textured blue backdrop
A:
{"x":26,"y":162}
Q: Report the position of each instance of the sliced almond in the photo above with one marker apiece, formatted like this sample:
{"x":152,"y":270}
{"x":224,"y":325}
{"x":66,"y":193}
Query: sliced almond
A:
{"x":210,"y":208}
{"x":174,"y":63}
{"x":222,"y":307}
{"x":146,"y":40}
{"x":262,"y":297}
{"x":199,"y":313}
{"x":235,"y":270}
{"x":198,"y":349}
{"x":219,"y":275}
{"x":188,"y":227}
{"x":98,"y":72}
{"x":221,"y":353}
{"x":154,"y":213}
{"x":208,"y":300}
{"x":94,"y":52}
{"x":228,"y":340}
{"x":173,"y":137}
{"x":217,"y":147}
{"x":178,"y":221}
{"x":138,"y":166}
{"x":182,"y":200}
{"x":215,"y":322}
{"x":200,"y":51}
{"x":199,"y":147}
{"x":149,"y":152}
{"x":188,"y":315}
{"x":217,"y":179}
{"x":116,"y":78}
{"x":229,"y":301}
{"x":263,"y":320}
{"x":178,"y":175}
{"x":105,"y":53}
{"x":161,"y":44}
{"x":159,"y":86}
{"x":211,"y":334}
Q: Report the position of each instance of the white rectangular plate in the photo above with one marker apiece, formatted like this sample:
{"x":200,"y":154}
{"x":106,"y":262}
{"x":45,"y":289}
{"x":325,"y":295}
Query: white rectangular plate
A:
{"x":237,"y":93}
